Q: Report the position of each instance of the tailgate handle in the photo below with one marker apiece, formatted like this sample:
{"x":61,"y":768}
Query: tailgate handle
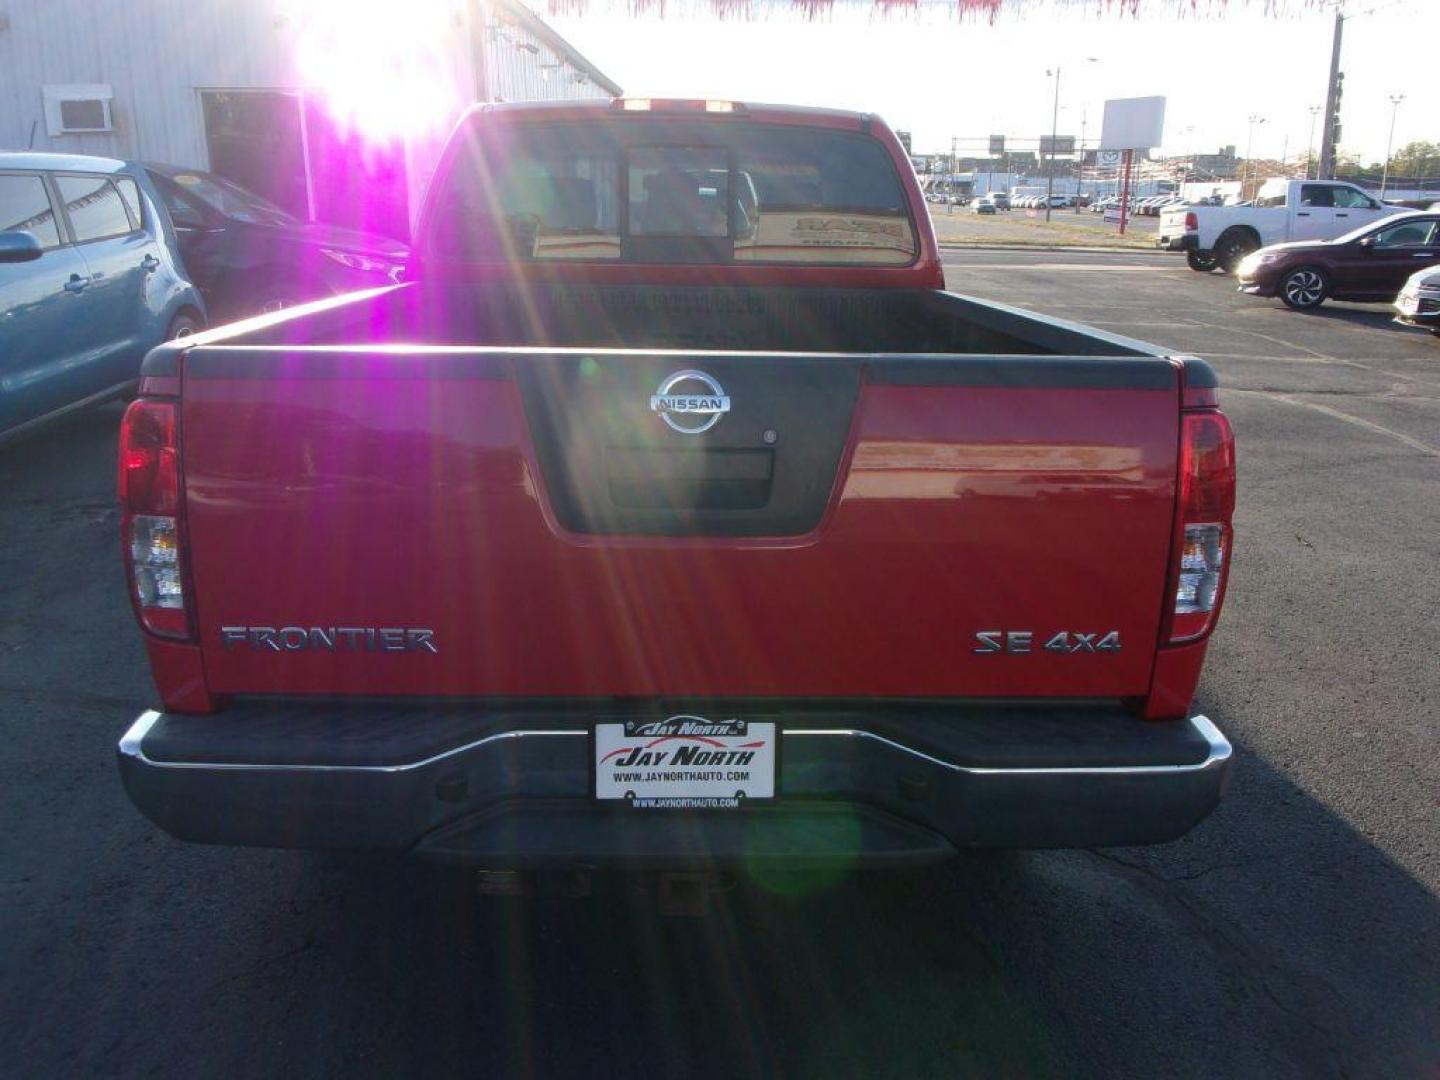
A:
{"x":690,"y":479}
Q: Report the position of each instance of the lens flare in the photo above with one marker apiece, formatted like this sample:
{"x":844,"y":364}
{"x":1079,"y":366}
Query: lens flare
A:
{"x":383,"y":70}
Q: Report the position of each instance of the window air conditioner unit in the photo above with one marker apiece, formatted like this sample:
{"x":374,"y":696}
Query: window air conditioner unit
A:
{"x":78,"y":108}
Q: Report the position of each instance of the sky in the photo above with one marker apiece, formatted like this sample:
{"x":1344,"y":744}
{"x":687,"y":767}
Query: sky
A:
{"x":939,"y":77}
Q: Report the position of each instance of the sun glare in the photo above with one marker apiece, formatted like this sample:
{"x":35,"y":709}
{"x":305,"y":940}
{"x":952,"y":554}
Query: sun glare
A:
{"x":380,"y":67}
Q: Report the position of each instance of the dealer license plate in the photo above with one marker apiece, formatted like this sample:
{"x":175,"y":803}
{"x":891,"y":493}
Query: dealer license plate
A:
{"x":1409,"y":305}
{"x":685,"y":762}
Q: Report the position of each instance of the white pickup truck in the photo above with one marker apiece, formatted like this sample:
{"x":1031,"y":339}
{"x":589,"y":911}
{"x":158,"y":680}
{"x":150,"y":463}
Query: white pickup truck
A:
{"x":1284,"y":210}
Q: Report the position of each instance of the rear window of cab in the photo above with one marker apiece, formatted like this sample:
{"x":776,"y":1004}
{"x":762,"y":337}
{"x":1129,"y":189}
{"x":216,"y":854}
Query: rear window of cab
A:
{"x":671,"y":192}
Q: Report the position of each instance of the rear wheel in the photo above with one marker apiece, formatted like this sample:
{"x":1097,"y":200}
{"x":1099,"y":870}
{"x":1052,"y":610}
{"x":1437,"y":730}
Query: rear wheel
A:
{"x":1202,"y":262}
{"x":1233,"y":246}
{"x":1304,"y":289}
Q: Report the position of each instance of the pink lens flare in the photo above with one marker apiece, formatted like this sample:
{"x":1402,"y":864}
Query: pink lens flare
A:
{"x":383,"y":70}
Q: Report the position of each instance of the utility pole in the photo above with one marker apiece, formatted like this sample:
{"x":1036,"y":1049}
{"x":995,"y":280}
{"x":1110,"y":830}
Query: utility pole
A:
{"x":1249,"y":142}
{"x":1331,"y":132}
{"x":1395,"y":100}
{"x":1310,"y":144}
{"x":950,"y":179}
{"x":1054,"y":131}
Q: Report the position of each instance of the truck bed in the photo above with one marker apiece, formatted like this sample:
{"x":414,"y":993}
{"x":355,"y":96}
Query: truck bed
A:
{"x":687,"y":317}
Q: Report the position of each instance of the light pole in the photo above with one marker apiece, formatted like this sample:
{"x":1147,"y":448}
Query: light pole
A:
{"x":1326,"y":169}
{"x":1055,"y":131}
{"x":1310,"y":146}
{"x":950,"y":179}
{"x":1395,"y":100}
{"x":1249,"y":142}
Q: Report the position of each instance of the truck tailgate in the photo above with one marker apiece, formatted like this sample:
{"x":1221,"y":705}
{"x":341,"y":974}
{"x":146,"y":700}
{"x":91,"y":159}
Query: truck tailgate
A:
{"x":1172,"y":220}
{"x":484,"y":522}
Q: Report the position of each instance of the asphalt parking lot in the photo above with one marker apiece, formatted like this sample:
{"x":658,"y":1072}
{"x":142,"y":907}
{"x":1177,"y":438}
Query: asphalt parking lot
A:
{"x":1294,"y":934}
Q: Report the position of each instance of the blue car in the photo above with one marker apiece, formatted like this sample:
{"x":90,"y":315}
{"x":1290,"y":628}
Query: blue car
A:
{"x":89,"y":282}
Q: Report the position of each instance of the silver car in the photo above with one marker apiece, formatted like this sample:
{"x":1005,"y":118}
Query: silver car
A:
{"x":1419,"y":301}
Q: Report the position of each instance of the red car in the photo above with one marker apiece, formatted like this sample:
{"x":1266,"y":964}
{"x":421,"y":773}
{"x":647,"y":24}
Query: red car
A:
{"x":1371,"y":264}
{"x":674,"y":513}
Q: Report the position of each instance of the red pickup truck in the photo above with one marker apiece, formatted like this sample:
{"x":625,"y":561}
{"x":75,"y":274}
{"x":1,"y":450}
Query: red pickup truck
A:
{"x":671,"y":512}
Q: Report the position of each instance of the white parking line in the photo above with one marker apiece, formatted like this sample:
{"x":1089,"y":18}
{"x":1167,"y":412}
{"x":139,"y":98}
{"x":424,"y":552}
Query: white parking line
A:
{"x":1168,"y":325}
{"x":1358,"y":361}
{"x":1368,"y":425}
{"x":963,"y":267}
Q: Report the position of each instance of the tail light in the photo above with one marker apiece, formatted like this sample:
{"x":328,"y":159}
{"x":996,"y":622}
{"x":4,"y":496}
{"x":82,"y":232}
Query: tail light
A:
{"x":1192,"y":222}
{"x":1201,"y":559}
{"x":150,"y":516}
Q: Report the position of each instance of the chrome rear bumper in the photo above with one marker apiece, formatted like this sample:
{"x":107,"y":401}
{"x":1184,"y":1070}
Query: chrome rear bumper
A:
{"x":521,"y":795}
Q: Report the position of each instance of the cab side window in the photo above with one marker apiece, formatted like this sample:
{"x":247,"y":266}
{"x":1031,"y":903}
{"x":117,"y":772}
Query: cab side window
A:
{"x":95,"y":208}
{"x":1350,"y":199}
{"x":25,"y":207}
{"x":1317,"y":195}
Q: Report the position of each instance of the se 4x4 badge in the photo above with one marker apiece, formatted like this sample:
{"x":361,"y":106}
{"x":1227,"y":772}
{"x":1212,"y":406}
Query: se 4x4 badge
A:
{"x":1067,"y":642}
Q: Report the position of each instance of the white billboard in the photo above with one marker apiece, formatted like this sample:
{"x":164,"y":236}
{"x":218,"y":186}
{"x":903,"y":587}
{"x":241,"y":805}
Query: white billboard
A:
{"x":1133,"y":123}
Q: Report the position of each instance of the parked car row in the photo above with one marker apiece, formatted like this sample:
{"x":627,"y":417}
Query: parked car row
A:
{"x":1056,"y":202}
{"x":101,"y":260}
{"x":1153,"y":205}
{"x":1156,"y":204}
{"x":1147,"y":207}
{"x":992,"y":201}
